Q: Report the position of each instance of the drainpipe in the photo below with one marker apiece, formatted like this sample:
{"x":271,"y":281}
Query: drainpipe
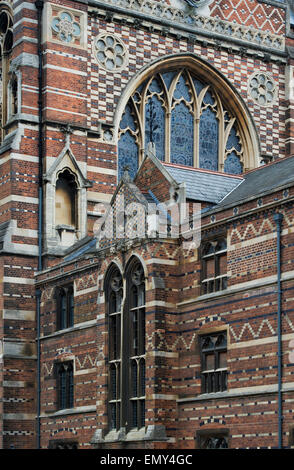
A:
{"x":39,"y":6}
{"x":278,"y":217}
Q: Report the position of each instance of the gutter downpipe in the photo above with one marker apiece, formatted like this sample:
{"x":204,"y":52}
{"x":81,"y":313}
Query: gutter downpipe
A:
{"x":278,"y":217}
{"x":39,"y":6}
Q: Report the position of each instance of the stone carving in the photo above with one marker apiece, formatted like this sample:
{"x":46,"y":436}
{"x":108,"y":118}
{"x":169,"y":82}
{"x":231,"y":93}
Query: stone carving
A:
{"x":229,"y":29}
{"x":66,"y":28}
{"x":262,"y":89}
{"x":110,"y":52}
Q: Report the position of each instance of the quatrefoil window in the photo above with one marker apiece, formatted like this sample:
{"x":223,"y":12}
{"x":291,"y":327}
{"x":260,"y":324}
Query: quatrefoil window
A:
{"x":66,"y":28}
{"x":262,"y":89}
{"x":110,"y":52}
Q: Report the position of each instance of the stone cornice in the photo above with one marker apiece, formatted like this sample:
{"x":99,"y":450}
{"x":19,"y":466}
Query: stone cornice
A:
{"x":170,"y":20}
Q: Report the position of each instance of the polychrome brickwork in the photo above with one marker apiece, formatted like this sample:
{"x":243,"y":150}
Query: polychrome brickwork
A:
{"x":78,"y":92}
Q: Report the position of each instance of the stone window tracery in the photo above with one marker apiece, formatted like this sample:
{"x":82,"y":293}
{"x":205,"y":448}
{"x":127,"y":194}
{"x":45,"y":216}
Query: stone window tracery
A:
{"x":262,"y":89}
{"x":126,"y":365}
{"x":65,"y":27}
{"x":187,"y":120}
{"x":6,"y":43}
{"x":110,"y":52}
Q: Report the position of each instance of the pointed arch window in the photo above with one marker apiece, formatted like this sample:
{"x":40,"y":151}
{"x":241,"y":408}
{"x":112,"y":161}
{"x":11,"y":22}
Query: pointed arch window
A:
{"x":6,"y":43}
{"x":65,"y":199}
{"x":136,"y":350}
{"x":114,"y":296}
{"x":214,"y":266}
{"x":65,"y":307}
{"x":65,"y":385}
{"x":214,"y":362}
{"x":126,"y":365}
{"x":187,"y":120}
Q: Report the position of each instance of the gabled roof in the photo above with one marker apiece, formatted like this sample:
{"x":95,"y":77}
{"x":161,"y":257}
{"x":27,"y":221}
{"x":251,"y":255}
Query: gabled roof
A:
{"x":204,"y":185}
{"x":262,"y":180}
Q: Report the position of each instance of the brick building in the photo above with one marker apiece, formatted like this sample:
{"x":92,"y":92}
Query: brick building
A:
{"x":146,"y":224}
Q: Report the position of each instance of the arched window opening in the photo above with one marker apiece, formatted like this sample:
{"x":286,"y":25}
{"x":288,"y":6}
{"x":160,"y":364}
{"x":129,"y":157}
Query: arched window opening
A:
{"x":66,"y":217}
{"x":65,"y":385}
{"x":136,"y":350}
{"x":6,"y":43}
{"x":189,"y":121}
{"x":114,"y":295}
{"x":13,"y":86}
{"x":126,"y":364}
{"x":65,"y":307}
{"x":214,"y":266}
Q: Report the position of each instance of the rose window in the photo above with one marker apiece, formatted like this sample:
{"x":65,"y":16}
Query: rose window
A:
{"x":110,"y":52}
{"x":66,"y":28}
{"x":262,"y":89}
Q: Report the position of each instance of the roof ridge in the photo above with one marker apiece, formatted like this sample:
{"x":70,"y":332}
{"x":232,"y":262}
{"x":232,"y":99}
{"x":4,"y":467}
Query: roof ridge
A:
{"x":202,"y":170}
{"x":278,"y":160}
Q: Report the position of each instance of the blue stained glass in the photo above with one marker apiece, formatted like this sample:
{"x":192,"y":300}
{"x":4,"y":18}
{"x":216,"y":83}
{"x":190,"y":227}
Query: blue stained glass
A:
{"x":127,"y":154}
{"x":198,"y":85}
{"x":128,"y":120}
{"x":140,"y":88}
{"x":208,"y":140}
{"x":208,"y":98}
{"x":182,"y":90}
{"x":155,"y":86}
{"x":168,"y":78}
{"x":182,"y":135}
{"x":155,"y":126}
{"x":233,"y":140}
{"x":233,"y":164}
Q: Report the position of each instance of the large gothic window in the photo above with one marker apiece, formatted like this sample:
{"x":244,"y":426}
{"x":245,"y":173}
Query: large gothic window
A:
{"x":126,"y":365}
{"x":187,"y":120}
{"x":7,"y":85}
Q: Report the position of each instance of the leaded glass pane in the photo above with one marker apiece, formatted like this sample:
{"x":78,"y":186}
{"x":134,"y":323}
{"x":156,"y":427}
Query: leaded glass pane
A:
{"x":113,"y":416}
{"x":155,"y":86}
{"x":198,"y":85}
{"x":134,"y":414}
{"x":233,"y":141}
{"x":113,"y":382}
{"x":233,"y":164}
{"x":182,"y":90}
{"x":208,"y":98}
{"x":182,"y":135}
{"x":208,"y":140}
{"x":127,"y":154}
{"x":155,"y":126}
{"x":127,"y":120}
{"x":168,"y":78}
{"x":142,"y":377}
{"x":134,"y":379}
{"x":142,"y":412}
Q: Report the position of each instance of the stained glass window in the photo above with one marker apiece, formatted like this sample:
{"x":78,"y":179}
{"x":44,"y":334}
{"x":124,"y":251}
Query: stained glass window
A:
{"x":127,"y":154}
{"x":155,"y":125}
{"x":232,"y":162}
{"x":182,"y":135}
{"x":208,"y":140}
{"x":185,"y":119}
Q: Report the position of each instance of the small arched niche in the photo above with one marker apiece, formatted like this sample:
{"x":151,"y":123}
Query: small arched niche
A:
{"x":65,"y":199}
{"x":66,"y":218}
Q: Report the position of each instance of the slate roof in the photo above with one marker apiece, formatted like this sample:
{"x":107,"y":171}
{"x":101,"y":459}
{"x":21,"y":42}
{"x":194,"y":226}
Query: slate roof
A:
{"x":264,"y":179}
{"x":83,"y":246}
{"x":204,"y":185}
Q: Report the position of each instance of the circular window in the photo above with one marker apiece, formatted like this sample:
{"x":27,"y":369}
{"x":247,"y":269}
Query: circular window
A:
{"x":262,"y":89}
{"x":110,"y":52}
